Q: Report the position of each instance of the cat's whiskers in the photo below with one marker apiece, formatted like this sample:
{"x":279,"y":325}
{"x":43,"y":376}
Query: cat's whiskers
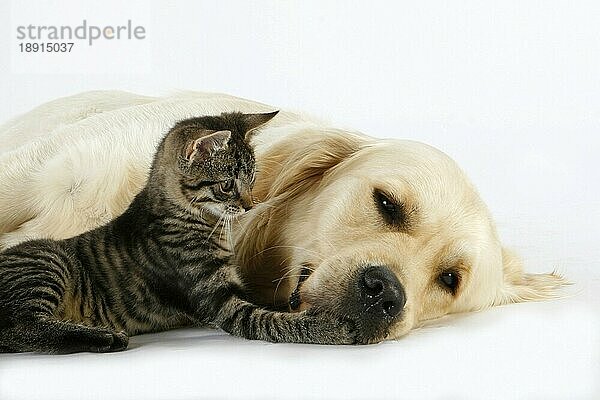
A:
{"x":305,"y":266}
{"x":285,"y":276}
{"x":254,"y":199}
{"x":230,"y":234}
{"x":289,"y":276}
{"x":226,"y":227}
{"x":215,"y":228}
{"x":189,"y":208}
{"x":265,"y":205}
{"x":223,"y":226}
{"x":290,"y":269}
{"x":316,"y":254}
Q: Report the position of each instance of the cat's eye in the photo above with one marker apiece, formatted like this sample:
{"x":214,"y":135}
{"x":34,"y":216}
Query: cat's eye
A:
{"x":449,"y":280}
{"x":227,"y":186}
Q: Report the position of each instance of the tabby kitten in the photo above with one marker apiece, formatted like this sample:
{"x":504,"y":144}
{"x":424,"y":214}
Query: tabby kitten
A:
{"x":163,"y":263}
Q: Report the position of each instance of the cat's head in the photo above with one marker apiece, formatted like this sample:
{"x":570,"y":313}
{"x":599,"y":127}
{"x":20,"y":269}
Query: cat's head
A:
{"x":208,"y":164}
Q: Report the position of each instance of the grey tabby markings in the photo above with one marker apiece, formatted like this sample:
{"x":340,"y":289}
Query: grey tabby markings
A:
{"x":162,"y":264}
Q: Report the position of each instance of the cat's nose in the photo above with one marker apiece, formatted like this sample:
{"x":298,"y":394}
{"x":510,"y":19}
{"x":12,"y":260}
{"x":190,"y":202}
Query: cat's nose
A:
{"x":246,"y":202}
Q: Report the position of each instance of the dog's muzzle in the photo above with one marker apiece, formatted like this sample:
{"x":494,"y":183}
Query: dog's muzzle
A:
{"x":375,"y":299}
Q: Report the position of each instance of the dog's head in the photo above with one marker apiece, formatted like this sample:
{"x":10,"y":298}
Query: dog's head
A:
{"x":387,"y":233}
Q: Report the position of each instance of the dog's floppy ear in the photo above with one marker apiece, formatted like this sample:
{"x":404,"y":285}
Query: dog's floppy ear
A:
{"x":521,"y":286}
{"x":289,"y":169}
{"x":300,"y":163}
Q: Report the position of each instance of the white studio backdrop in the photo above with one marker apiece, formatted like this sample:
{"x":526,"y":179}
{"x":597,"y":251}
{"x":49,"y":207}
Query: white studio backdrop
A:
{"x":510,"y":89}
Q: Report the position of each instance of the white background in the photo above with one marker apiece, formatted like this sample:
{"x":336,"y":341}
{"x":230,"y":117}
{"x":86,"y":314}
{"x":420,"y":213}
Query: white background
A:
{"x":510,"y":89}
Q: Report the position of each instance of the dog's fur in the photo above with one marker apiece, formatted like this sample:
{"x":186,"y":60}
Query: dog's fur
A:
{"x":75,"y":163}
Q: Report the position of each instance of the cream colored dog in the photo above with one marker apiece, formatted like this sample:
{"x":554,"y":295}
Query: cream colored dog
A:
{"x":386,"y":233}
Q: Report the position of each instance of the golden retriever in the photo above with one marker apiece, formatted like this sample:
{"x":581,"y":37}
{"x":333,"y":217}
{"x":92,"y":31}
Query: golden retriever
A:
{"x":386,"y":233}
{"x":334,"y":206}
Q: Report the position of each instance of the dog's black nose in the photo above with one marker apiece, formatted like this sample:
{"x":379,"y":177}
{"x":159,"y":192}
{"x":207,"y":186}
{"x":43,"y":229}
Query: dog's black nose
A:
{"x":381,"y":293}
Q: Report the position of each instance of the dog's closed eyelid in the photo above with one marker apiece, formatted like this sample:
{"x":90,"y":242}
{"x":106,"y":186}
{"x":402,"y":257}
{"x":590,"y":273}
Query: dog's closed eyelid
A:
{"x":392,"y":211}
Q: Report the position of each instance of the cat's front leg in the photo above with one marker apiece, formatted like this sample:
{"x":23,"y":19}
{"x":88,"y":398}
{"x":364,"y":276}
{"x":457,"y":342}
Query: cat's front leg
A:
{"x":219,"y":300}
{"x":247,"y":320}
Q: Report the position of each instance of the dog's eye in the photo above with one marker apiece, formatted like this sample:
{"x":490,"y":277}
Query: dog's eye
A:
{"x":227,"y":186}
{"x":449,"y":280}
{"x":391,"y":211}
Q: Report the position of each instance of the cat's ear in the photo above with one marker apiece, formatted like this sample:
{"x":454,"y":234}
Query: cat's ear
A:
{"x":255,"y":121}
{"x":206,"y":146}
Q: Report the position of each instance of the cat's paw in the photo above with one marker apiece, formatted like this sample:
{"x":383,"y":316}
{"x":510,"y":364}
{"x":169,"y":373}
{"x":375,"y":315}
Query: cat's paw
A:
{"x":325,"y":329}
{"x":100,"y":340}
{"x":120,"y":341}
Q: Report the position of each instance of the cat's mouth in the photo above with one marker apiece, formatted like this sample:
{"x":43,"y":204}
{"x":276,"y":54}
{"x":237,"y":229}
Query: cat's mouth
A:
{"x":214,"y":213}
{"x":295,"y":300}
{"x":233,"y":211}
